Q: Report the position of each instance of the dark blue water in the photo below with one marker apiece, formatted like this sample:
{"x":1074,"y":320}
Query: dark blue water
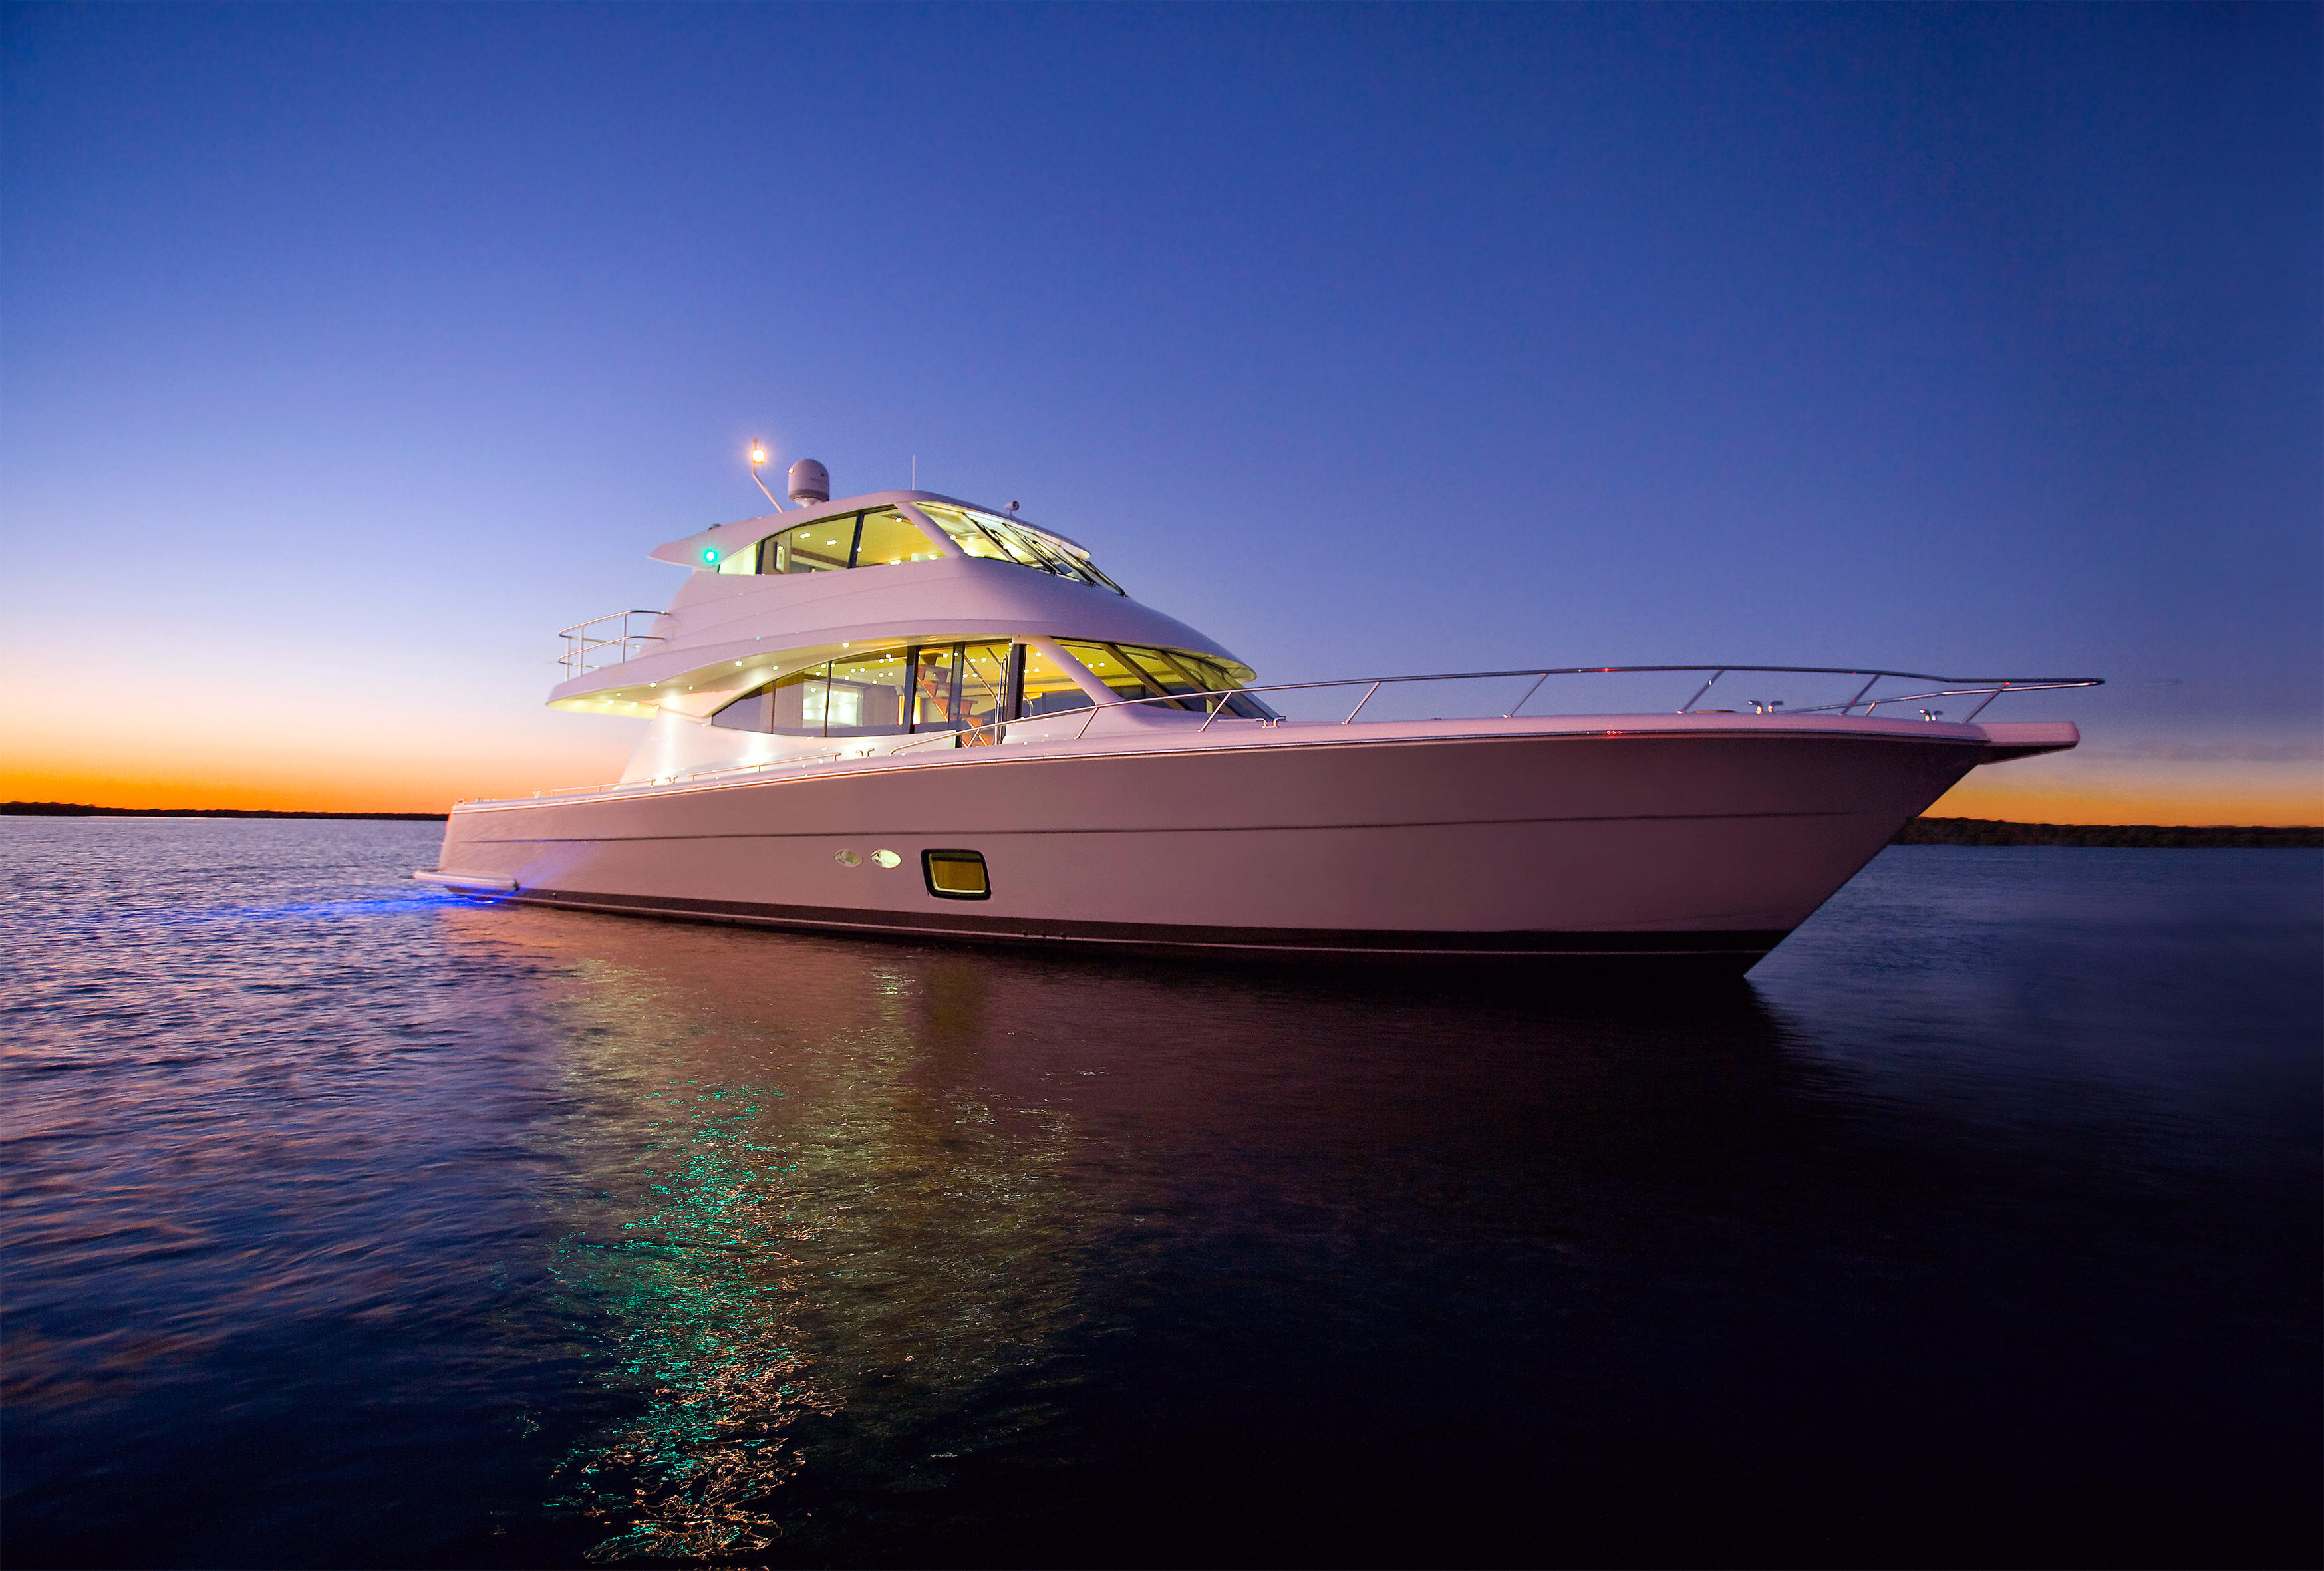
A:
{"x":348,"y":1224}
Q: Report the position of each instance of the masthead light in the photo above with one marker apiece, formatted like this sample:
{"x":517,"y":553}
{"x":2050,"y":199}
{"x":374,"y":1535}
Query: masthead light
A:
{"x":758,"y":452}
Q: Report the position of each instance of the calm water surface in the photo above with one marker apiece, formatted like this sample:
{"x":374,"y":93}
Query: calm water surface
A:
{"x":350,"y":1224}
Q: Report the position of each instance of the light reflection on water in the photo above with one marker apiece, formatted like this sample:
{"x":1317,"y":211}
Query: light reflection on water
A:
{"x":791,"y":1190}
{"x":347,"y":1226}
{"x":701,"y":1296}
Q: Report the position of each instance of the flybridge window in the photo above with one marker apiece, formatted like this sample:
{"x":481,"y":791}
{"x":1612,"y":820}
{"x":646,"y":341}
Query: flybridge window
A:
{"x":875,"y":538}
{"x":997,"y":539}
{"x":1134,"y":671}
{"x":889,"y":537}
{"x":881,"y":536}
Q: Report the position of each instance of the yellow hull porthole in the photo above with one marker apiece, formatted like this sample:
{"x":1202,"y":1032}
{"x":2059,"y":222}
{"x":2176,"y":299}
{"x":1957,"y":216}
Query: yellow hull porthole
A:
{"x":956,"y":874}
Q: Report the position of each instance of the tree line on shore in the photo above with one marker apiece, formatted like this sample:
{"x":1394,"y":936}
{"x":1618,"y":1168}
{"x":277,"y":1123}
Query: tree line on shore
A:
{"x":83,"y":810}
{"x":1998,"y":832}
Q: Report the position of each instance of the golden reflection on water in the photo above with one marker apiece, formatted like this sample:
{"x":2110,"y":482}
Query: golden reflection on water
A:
{"x":782,"y":1188}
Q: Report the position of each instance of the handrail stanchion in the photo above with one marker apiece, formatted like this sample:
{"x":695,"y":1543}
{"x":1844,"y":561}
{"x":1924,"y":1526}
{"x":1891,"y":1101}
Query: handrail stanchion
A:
{"x":1530,"y":692}
{"x":1867,"y":688}
{"x":1361,"y":702}
{"x":1990,"y":698}
{"x":1691,"y":703}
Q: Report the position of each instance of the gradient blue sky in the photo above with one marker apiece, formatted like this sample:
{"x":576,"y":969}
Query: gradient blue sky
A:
{"x":350,"y":351}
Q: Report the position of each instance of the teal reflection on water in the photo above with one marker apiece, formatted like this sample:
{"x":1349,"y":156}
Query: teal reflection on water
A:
{"x":695,"y":1300}
{"x":791,"y":1183}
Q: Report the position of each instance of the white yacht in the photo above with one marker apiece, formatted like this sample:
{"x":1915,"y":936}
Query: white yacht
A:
{"x":904,"y":714}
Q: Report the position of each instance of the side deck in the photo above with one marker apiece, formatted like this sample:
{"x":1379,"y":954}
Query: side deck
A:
{"x":1996,"y":741}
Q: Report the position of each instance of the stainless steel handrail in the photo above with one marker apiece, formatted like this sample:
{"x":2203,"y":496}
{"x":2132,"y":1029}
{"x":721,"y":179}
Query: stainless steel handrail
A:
{"x":1991,"y":688}
{"x":580,"y":643}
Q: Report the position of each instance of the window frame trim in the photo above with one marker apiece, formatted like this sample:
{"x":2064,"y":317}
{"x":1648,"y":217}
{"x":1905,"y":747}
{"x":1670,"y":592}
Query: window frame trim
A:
{"x":929,"y":871}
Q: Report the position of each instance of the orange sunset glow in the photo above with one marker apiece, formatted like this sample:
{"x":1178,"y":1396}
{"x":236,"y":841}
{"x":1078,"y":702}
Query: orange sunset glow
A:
{"x":206,"y":759}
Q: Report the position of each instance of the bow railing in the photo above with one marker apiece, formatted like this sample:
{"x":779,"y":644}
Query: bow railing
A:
{"x":1865,"y":698}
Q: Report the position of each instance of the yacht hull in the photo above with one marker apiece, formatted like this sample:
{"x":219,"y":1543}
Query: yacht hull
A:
{"x":1700,"y":848}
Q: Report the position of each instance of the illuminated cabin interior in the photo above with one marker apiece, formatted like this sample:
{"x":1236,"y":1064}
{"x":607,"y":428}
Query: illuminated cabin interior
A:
{"x":888,"y":536}
{"x":954,"y":686}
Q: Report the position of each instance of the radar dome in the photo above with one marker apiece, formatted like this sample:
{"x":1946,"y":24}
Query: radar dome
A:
{"x":810,"y":482}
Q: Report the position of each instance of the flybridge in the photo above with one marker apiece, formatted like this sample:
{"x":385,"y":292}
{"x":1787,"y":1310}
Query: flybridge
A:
{"x":882,"y":529}
{"x":785,"y":593}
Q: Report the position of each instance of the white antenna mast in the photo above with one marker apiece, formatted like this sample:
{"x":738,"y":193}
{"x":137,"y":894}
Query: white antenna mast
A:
{"x":757,"y":457}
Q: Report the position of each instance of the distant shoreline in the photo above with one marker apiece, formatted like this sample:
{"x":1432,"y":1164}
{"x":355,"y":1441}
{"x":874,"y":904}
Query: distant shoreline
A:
{"x":2161,"y":836}
{"x":1918,"y":832}
{"x":83,"y":810}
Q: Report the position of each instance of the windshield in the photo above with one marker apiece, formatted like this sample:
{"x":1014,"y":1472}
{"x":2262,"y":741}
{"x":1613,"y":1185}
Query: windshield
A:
{"x":885,"y":536}
{"x":1134,"y":671}
{"x":997,"y":539}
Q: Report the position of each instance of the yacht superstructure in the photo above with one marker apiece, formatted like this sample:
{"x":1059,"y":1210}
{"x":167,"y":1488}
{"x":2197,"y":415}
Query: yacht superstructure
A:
{"x":904,"y":714}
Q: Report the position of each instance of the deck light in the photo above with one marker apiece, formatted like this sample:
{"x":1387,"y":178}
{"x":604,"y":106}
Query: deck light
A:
{"x":757,"y":457}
